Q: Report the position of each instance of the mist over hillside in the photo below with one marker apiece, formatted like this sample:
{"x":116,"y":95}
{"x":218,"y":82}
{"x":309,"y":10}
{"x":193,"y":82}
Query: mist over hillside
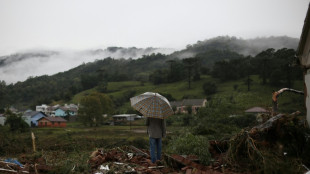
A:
{"x":238,"y":45}
{"x":20,"y":66}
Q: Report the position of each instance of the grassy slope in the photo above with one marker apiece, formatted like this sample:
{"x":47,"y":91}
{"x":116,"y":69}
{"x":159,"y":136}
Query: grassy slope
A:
{"x":241,"y":99}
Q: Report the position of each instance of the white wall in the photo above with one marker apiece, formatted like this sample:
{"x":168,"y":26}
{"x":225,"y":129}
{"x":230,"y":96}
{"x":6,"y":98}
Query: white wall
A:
{"x":307,"y":82}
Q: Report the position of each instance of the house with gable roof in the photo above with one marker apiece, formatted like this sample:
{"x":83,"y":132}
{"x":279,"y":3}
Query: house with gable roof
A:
{"x":32,"y":117}
{"x":256,"y":110}
{"x":181,"y":106}
{"x":64,"y":111}
{"x":52,"y":122}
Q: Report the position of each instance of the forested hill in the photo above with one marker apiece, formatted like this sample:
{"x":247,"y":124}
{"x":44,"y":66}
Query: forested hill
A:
{"x":156,"y":68}
{"x":238,"y":45}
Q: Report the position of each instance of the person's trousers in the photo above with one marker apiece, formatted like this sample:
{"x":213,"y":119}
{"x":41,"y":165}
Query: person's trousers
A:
{"x":155,"y":149}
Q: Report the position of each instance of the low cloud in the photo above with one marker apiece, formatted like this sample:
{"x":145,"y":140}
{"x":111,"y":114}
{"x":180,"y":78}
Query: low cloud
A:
{"x":19,"y":67}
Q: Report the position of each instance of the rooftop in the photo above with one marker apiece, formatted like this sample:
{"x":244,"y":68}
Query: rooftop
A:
{"x":55,"y":119}
{"x":257,"y":110}
{"x":32,"y":113}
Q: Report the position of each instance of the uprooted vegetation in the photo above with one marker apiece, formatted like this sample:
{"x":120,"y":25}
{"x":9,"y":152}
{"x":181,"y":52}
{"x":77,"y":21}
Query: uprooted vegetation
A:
{"x":280,"y":145}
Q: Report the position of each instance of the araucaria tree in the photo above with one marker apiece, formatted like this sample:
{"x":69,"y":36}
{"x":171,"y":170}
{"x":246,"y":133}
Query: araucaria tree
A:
{"x":190,"y":63}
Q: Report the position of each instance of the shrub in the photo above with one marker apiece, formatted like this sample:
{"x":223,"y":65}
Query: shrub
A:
{"x":202,"y":129}
{"x":169,"y":121}
{"x":168,"y":96}
{"x":240,"y":120}
{"x":186,"y":120}
{"x":190,"y":144}
{"x":235,"y":87}
{"x":16,"y":122}
{"x":209,"y":88}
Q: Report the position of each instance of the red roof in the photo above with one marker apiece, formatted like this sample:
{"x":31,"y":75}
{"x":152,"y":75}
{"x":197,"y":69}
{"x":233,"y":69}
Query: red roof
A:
{"x":55,"y":119}
{"x":256,"y":110}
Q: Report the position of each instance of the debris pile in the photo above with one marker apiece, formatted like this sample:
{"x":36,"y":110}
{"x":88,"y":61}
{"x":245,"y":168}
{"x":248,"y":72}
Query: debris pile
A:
{"x":275,"y":146}
{"x":128,"y":159}
{"x":25,"y":165}
{"x":187,"y":165}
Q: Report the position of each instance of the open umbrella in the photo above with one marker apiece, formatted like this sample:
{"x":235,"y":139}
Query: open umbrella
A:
{"x":152,"y":105}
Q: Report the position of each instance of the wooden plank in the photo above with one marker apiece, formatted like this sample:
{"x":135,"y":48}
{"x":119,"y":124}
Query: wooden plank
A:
{"x":138,"y":150}
{"x":11,"y":171}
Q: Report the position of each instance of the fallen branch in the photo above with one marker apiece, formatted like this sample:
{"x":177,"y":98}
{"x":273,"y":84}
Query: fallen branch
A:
{"x":139,"y":151}
{"x":276,"y":94}
{"x":12,"y":171}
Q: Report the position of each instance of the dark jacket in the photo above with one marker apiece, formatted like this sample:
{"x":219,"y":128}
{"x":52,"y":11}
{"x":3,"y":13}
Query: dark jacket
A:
{"x":156,"y":128}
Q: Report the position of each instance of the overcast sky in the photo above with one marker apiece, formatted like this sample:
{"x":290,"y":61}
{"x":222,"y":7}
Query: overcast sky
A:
{"x":85,"y":24}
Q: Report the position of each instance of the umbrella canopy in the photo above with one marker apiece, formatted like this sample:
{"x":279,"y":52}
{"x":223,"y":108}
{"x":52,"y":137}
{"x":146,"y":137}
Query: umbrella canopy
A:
{"x":152,"y":105}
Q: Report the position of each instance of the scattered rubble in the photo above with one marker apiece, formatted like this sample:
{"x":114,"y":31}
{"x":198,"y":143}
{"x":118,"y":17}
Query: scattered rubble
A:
{"x":130,"y":159}
{"x":25,"y":165}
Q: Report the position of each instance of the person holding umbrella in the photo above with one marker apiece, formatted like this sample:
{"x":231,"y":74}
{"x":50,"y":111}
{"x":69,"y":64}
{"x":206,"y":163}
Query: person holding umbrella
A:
{"x":156,"y":129}
{"x":156,"y":108}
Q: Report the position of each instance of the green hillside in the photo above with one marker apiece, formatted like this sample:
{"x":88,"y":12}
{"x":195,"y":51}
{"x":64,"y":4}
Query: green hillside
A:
{"x":234,"y":93}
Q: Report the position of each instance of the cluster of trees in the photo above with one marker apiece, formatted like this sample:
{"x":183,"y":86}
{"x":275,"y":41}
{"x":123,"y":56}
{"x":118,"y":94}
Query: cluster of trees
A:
{"x":93,"y":107}
{"x":191,"y":68}
{"x":277,"y":68}
{"x":274,"y":67}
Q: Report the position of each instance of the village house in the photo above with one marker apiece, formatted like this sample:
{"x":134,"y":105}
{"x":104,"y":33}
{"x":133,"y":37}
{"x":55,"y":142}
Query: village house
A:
{"x":125,"y":117}
{"x":64,"y":111}
{"x":42,"y":108}
{"x":303,"y":54}
{"x":71,"y":106}
{"x":58,"y":110}
{"x":52,"y":122}
{"x":256,"y":110}
{"x":32,"y":117}
{"x":50,"y":110}
{"x":181,"y":106}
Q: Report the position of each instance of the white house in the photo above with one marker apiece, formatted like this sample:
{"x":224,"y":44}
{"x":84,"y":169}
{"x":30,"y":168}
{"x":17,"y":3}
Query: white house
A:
{"x":126,"y":117}
{"x":42,"y":108}
{"x":303,"y":54}
{"x":71,"y":106}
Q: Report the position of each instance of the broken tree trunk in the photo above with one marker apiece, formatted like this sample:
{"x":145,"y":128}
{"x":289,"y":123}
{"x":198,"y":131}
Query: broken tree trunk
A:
{"x":271,"y":146}
{"x":275,"y":96}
